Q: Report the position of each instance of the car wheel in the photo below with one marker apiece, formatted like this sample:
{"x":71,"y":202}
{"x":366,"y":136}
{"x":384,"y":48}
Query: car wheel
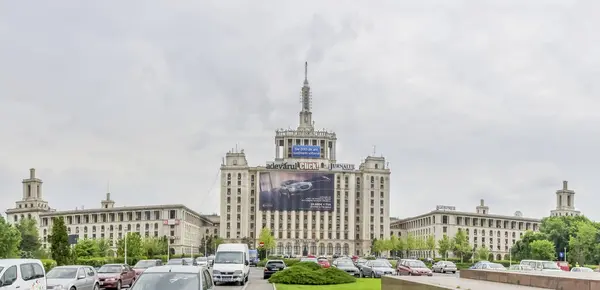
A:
{"x":119,"y":285}
{"x":409,"y":273}
{"x":72,"y":288}
{"x":372,"y":275}
{"x":96,"y":287}
{"x":453,"y":272}
{"x":243,"y":282}
{"x":443,"y":272}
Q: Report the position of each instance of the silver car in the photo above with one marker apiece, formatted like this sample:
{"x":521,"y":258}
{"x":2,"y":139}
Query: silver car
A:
{"x":68,"y":277}
{"x":202,"y":261}
{"x":444,"y":267}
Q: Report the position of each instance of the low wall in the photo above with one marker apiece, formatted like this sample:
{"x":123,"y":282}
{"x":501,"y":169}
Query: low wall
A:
{"x":398,"y":283}
{"x":546,"y":280}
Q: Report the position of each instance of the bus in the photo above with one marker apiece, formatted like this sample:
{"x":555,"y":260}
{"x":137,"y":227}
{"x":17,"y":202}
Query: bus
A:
{"x":253,"y":257}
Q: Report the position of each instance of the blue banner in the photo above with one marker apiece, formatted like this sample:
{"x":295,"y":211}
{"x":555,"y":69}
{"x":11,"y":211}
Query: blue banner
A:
{"x":306,"y":151}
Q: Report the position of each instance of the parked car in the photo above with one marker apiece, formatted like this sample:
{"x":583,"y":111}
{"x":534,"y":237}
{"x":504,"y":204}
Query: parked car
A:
{"x":307,"y":259}
{"x":22,"y":273}
{"x":413,"y":268}
{"x":115,"y":276}
{"x":202,"y":261}
{"x":520,"y":268}
{"x":183,"y":262}
{"x":142,"y":265}
{"x":348,"y":267}
{"x":444,"y":267}
{"x":272,"y":266}
{"x":478,"y":265}
{"x":492,"y":267}
{"x":563,"y":265}
{"x":376,"y":269}
{"x":581,"y":269}
{"x":175,"y":277}
{"x":69,"y":277}
{"x":324,"y":263}
{"x":540,"y":265}
{"x":211,"y":260}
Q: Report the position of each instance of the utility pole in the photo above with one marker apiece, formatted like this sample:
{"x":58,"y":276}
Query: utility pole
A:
{"x":192,"y":251}
{"x":565,"y":254}
{"x":168,"y":248}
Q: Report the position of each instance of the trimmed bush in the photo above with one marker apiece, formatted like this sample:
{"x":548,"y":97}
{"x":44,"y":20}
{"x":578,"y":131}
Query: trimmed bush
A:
{"x":305,"y":273}
{"x":48,"y":264}
{"x":288,"y":262}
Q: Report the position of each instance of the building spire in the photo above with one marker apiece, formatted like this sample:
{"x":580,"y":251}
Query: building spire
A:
{"x":306,"y":73}
{"x":305,"y":99}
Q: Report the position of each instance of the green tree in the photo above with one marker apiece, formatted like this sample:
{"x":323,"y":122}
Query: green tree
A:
{"x":559,"y":230}
{"x":482,"y":253}
{"x":444,"y":246}
{"x":411,"y":244}
{"x":393,"y":245}
{"x":249,"y":242}
{"x":154,"y":247}
{"x":400,"y":247}
{"x":87,"y":248}
{"x":582,"y":245}
{"x":59,"y":242}
{"x":30,"y":237}
{"x":378,"y":247}
{"x":134,"y":245}
{"x":9,"y":240}
{"x":431,"y":245}
{"x":542,"y":250}
{"x":103,"y":248}
{"x":522,"y":250}
{"x":267,"y":239}
{"x":461,"y":248}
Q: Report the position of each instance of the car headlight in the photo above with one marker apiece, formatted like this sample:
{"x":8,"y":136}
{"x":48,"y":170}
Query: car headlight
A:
{"x":59,"y":287}
{"x":237,"y":272}
{"x":216,"y":272}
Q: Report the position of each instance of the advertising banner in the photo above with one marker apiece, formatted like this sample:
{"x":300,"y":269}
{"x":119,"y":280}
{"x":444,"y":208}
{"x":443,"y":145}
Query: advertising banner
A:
{"x":304,"y":191}
{"x":306,"y":151}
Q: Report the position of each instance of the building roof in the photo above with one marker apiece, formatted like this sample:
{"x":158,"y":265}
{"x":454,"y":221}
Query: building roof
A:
{"x":469,"y":214}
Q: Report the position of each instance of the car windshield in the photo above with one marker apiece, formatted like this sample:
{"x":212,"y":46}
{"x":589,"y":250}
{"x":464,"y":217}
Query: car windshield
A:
{"x":379,"y":264}
{"x":550,"y":266}
{"x":61,"y":273}
{"x":229,"y":258}
{"x":449,"y":264}
{"x":110,"y":269}
{"x":308,"y":260}
{"x":175,"y":262}
{"x":188,"y":261}
{"x":495,"y":266}
{"x":143,"y":264}
{"x":346,"y":264}
{"x":167,"y":281}
{"x":416,"y":264}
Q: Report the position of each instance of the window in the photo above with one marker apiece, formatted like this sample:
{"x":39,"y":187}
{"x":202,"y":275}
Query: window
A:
{"x":27,"y":272}
{"x":208,"y":279}
{"x":80,"y":273}
{"x":204,"y":281}
{"x":90,"y":272}
{"x":10,"y":276}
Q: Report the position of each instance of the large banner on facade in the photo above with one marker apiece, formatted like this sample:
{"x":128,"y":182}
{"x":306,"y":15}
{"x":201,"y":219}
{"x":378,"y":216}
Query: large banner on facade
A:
{"x":311,"y":191}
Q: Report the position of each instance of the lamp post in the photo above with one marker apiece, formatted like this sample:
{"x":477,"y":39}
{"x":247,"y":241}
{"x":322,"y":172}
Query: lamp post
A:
{"x":192,"y":251}
{"x":168,"y":248}
{"x":125,"y":246}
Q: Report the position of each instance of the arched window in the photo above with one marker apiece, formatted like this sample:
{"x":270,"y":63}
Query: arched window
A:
{"x":338,"y":249}
{"x":321,"y":249}
{"x":346,"y":249}
{"x":288,"y":249}
{"x":228,"y":176}
{"x":297,"y":250}
{"x":330,"y":249}
{"x":372,"y":179}
{"x":280,"y":248}
{"x":313,"y":249}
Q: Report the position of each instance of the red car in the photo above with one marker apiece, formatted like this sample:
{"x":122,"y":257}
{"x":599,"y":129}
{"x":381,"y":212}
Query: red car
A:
{"x":324,"y":263}
{"x":413,"y":268}
{"x":142,"y":265}
{"x":115,"y":276}
{"x":563,"y":265}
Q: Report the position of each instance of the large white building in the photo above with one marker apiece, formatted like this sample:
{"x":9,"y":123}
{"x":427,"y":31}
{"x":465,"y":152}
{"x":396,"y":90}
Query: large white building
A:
{"x":344,"y":209}
{"x":185,"y":227}
{"x":496,"y":232}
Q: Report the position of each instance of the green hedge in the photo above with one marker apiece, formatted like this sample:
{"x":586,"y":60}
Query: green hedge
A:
{"x":309,"y":273}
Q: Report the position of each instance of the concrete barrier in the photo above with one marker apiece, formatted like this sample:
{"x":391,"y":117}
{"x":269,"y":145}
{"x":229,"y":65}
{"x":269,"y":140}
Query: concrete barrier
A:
{"x":544,"y":280}
{"x":444,"y":283}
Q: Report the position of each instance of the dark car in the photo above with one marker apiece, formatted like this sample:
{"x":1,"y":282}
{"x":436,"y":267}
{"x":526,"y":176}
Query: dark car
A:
{"x":115,"y":276}
{"x":376,"y":269}
{"x":273,"y":266}
{"x":348,"y":267}
{"x":413,"y":268}
{"x":142,"y":265}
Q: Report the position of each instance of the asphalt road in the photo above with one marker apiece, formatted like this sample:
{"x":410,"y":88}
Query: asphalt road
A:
{"x":256,"y":282}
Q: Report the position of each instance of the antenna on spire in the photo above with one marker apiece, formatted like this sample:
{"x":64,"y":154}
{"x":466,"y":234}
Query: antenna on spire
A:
{"x":374,"y":151}
{"x":306,"y":71}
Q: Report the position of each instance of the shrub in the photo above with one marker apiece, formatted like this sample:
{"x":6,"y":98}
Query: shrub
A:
{"x":48,"y":264}
{"x":304,"y":273}
{"x":288,"y":262}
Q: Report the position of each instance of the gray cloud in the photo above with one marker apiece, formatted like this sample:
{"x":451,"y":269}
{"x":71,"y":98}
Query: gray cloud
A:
{"x":468,"y":100}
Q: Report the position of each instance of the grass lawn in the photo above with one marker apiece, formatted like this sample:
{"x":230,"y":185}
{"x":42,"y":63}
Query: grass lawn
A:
{"x":361,"y":284}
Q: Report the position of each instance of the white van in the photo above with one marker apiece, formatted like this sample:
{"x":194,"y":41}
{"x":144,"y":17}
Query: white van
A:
{"x":232,"y":264}
{"x":22,"y":274}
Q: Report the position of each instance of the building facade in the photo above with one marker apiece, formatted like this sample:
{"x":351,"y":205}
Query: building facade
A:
{"x":565,"y":202}
{"x":184,"y":227}
{"x":496,"y":232}
{"x":311,"y":203}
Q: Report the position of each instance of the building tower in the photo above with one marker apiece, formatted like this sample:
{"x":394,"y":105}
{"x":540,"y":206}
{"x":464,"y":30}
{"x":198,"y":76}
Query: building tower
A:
{"x":305,"y":134}
{"x":565,"y":202}
{"x":107,"y":203}
{"x":32,"y":203}
{"x":482,"y":208}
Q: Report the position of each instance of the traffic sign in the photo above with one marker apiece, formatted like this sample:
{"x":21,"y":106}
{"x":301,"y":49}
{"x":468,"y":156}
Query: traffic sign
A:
{"x":561,"y":254}
{"x":261,"y":244}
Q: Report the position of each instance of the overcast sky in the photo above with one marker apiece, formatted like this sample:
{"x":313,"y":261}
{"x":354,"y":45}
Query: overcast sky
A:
{"x":466,"y":100}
